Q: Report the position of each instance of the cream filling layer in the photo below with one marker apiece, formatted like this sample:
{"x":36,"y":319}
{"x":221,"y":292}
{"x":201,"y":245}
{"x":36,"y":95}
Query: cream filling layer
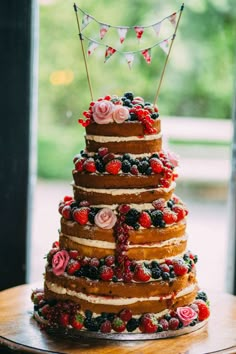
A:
{"x":95,"y":299}
{"x":125,"y":191}
{"x":107,"y":139}
{"x":112,"y":245}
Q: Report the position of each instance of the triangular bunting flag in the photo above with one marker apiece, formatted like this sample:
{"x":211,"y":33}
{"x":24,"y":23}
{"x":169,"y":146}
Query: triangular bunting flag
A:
{"x":109,"y":52}
{"x":103,"y":30}
{"x":129,"y":58}
{"x":85,"y":21}
{"x":91,"y":47}
{"x":139,"y":31}
{"x":157,"y":28}
{"x":147,"y":55}
{"x":122,"y":31}
{"x":165,"y":46}
{"x":172,"y":19}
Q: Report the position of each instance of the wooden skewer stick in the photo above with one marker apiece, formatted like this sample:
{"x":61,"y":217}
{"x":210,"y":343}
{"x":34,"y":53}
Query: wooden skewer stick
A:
{"x":83,"y":51}
{"x":167,"y":57}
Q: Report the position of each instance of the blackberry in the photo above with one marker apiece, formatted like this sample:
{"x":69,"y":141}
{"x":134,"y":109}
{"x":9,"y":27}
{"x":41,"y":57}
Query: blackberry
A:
{"x":132,"y":324}
{"x":147,"y":104}
{"x":114,"y":279}
{"x":156,"y":273}
{"x":73,"y":205}
{"x":170,"y":204}
{"x":136,"y":226}
{"x":172,"y":274}
{"x":193,"y":323}
{"x":126,"y":166}
{"x":143,"y":166}
{"x":129,"y":95}
{"x":104,"y":315}
{"x":157,"y":217}
{"x":126,"y":157}
{"x":148,"y":171}
{"x":91,"y":324}
{"x":154,"y":115}
{"x":165,"y":276}
{"x":85,"y":270}
{"x":155,"y":264}
{"x":78,"y":273}
{"x":99,"y":166}
{"x":93,"y":273}
{"x":111,"y":316}
{"x":127,"y":103}
{"x":132,"y":116}
{"x":100,"y":320}
{"x":155,"y":156}
{"x":202,"y":296}
{"x":88,"y":314}
{"x":132,"y":216}
{"x":91,"y":216}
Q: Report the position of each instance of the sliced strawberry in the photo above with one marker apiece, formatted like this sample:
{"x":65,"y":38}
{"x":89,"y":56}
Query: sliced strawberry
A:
{"x":81,"y":215}
{"x":77,"y":321}
{"x":204,"y":311}
{"x":113,"y":167}
{"x":145,"y":219}
{"x":141,"y":273}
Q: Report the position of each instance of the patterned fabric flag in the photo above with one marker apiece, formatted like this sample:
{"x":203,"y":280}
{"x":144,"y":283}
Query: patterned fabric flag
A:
{"x":139,"y":31}
{"x":147,"y":55}
{"x":172,"y":19}
{"x":129,"y":58}
{"x":157,"y":28}
{"x":122,"y":33}
{"x":165,"y":46}
{"x":85,"y":21}
{"x":109,"y":52}
{"x":91,"y":47}
{"x":103,"y":30}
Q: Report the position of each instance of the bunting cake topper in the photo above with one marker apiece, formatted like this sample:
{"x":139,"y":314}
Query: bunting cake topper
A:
{"x":138,"y":31}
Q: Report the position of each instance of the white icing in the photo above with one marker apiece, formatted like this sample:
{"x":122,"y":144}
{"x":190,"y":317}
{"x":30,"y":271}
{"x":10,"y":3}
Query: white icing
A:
{"x":106,"y":139}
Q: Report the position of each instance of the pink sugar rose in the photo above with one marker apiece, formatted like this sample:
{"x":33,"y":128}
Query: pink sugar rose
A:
{"x":59,"y":262}
{"x":174,"y":159}
{"x":102,"y":112}
{"x":105,"y":218}
{"x":120,"y":114}
{"x":186,"y":315}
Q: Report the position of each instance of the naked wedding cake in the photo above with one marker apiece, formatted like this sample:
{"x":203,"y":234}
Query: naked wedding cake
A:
{"x":122,"y":263}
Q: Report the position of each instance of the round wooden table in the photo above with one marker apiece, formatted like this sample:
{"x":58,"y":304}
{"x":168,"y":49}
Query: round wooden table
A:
{"x":19,"y":331}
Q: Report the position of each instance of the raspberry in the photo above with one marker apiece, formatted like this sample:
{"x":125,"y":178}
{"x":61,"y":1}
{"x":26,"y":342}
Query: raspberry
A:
{"x":84,"y":203}
{"x":108,"y":157}
{"x":113,"y":167}
{"x":79,"y":165}
{"x":89,"y":165}
{"x":73,"y":266}
{"x":156,"y":165}
{"x":94,"y":262}
{"x":102,"y":151}
{"x":165,"y":324}
{"x":180,"y":268}
{"x":124,"y":208}
{"x":159,"y":204}
{"x":141,"y":273}
{"x":179,"y":210}
{"x":165,"y":268}
{"x":204,"y":311}
{"x":173,"y":323}
{"x":118,"y":325}
{"x":145,"y":219}
{"x":148,"y":323}
{"x":106,"y":273}
{"x":134,"y":170}
{"x":165,"y":183}
{"x":169,"y":217}
{"x":109,"y":260}
{"x":106,"y":327}
{"x":77,"y":321}
{"x":125,"y":315}
{"x":81,"y":215}
{"x":66,"y":212}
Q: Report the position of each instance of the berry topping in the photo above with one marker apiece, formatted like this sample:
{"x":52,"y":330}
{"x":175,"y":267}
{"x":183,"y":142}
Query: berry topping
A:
{"x":81,"y":215}
{"x":134,"y":170}
{"x":73,"y":266}
{"x":64,"y":319}
{"x":164,"y":323}
{"x":156,"y":165}
{"x":77,"y":321}
{"x":141,"y":273}
{"x":74,"y":254}
{"x":148,"y":323}
{"x":106,"y":273}
{"x":109,"y":260}
{"x":125,"y":315}
{"x":159,"y":204}
{"x":102,"y":151}
{"x":204,"y":311}
{"x":118,"y":324}
{"x":113,"y":167}
{"x":173,"y":323}
{"x":106,"y":327}
{"x":66,"y":212}
{"x":79,"y":165}
{"x":180,"y":267}
{"x":89,"y":165}
{"x":179,"y":211}
{"x":145,"y":219}
{"x":169,"y":217}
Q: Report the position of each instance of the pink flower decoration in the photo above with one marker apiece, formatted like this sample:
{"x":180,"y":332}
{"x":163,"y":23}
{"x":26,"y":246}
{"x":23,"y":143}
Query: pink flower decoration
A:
{"x":102,"y":112}
{"x":105,"y":218}
{"x":174,"y":159}
{"x":186,"y":315}
{"x":59,"y":262}
{"x":120,"y":114}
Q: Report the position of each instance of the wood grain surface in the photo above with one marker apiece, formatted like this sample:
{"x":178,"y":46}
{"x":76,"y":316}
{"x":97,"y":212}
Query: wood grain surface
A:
{"x":20,"y":332}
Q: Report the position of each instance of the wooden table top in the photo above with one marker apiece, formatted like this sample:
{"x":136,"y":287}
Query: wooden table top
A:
{"x":20,"y":332}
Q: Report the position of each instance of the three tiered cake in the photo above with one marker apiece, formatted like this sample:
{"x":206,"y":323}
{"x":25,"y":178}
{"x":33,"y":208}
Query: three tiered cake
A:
{"x":122,"y":262}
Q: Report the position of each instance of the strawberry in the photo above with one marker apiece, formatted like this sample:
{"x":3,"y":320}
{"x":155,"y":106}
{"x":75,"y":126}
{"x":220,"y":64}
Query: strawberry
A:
{"x":180,"y":267}
{"x":64,"y":319}
{"x":164,"y":267}
{"x":179,"y":210}
{"x":67,"y":198}
{"x":169,"y":217}
{"x":141,"y":273}
{"x":113,"y":167}
{"x":102,"y":151}
{"x":89,"y":165}
{"x":77,"y":321}
{"x":73,"y":266}
{"x":74,"y":254}
{"x":66,"y":212}
{"x":79,"y":165}
{"x":159,"y":204}
{"x":81,"y":215}
{"x":118,"y":324}
{"x":204,"y":311}
{"x":106,"y":327}
{"x":148,"y":323}
{"x":156,"y":165}
{"x":145,"y":219}
{"x":125,"y":315}
{"x":106,"y":273}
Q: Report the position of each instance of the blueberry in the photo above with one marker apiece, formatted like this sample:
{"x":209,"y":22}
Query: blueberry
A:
{"x":165,"y":276}
{"x":155,"y":264}
{"x":127,"y":103}
{"x":78,"y":273}
{"x":111,"y":316}
{"x":157,"y":217}
{"x":99,"y":166}
{"x":91,"y":324}
{"x":143,"y":166}
{"x":170,"y":204}
{"x":147,"y":104}
{"x":132,"y":217}
{"x":104,"y":315}
{"x":136,"y":226}
{"x":133,"y":116}
{"x":148,"y":171}
{"x":88,"y":314}
{"x":156,"y":273}
{"x":91,"y":217}
{"x":159,"y":328}
{"x":202,"y":296}
{"x":126,"y":166}
{"x":85,"y":270}
{"x":167,"y":316}
{"x":73,"y":205}
{"x":93,"y":273}
{"x":126,"y":157}
{"x":154,"y":115}
{"x":129,"y":95}
{"x":155,"y":156}
{"x":132,"y":324}
{"x":193,"y":323}
{"x":114,"y":279}
{"x":172,"y":274}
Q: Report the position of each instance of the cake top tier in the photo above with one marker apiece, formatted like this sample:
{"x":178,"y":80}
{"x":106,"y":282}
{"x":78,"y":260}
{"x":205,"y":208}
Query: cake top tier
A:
{"x":113,"y":111}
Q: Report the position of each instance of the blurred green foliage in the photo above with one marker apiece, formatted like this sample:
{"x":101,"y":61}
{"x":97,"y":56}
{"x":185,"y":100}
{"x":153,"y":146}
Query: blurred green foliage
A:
{"x":198,"y":80}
